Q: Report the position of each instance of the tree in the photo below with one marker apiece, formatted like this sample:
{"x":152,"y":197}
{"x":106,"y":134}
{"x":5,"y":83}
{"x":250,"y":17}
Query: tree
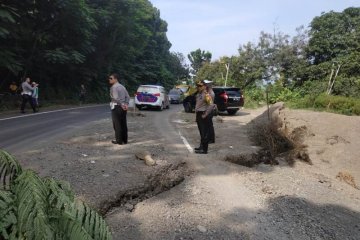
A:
{"x":63,"y":44}
{"x":334,"y":50}
{"x":178,"y":66}
{"x":197,"y":58}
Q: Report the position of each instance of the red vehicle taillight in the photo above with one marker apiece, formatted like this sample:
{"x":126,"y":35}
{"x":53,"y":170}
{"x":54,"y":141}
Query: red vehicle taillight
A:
{"x":224,"y":96}
{"x":157,"y":94}
{"x":137,"y":93}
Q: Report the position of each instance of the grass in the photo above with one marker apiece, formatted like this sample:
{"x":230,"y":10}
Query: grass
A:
{"x":323,"y":102}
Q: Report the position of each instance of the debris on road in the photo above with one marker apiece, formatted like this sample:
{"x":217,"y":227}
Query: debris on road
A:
{"x":146,"y":156}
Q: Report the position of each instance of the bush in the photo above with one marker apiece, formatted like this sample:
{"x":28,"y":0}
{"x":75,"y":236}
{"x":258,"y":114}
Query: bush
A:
{"x":338,"y":104}
{"x":254,"y":97}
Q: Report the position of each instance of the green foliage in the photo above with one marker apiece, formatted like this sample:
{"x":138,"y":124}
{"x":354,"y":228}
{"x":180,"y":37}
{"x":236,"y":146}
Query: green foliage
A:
{"x":254,"y":97}
{"x":9,"y":170}
{"x":337,"y":104}
{"x":257,"y":94}
{"x":347,"y":86}
{"x":278,"y":93}
{"x":334,"y":35}
{"x":198,"y":58}
{"x":63,"y":44}
{"x":35,"y":208}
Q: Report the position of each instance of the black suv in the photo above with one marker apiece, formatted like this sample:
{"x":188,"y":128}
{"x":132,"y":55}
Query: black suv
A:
{"x":228,"y":99}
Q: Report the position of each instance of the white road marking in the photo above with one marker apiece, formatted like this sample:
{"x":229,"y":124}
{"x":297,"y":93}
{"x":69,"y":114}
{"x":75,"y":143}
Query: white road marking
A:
{"x":61,"y":110}
{"x":186,"y":143}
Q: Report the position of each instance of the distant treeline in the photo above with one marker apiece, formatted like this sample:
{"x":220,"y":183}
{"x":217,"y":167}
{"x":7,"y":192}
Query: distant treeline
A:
{"x":65,"y":43}
{"x":323,"y":58}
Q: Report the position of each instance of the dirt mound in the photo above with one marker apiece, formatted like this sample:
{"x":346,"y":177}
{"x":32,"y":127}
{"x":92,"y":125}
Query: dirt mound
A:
{"x":277,"y":137}
{"x":331,"y":141}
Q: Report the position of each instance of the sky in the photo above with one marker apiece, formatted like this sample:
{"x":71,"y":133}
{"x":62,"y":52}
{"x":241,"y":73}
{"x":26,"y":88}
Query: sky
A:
{"x":221,"y":26}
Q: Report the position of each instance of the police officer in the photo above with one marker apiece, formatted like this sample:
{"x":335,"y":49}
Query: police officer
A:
{"x":204,"y":106}
{"x":209,"y":89}
{"x":119,"y":105}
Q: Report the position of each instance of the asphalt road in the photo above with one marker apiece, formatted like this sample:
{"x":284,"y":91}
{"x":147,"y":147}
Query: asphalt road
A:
{"x":23,"y":132}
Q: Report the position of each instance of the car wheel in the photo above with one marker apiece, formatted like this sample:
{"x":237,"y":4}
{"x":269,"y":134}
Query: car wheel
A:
{"x":231,"y":111}
{"x":187,"y":107}
{"x":139,"y":107}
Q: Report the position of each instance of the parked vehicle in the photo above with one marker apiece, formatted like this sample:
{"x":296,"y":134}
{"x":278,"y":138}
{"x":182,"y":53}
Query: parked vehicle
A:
{"x":183,"y":87}
{"x":151,"y":96}
{"x":176,"y":96}
{"x":228,"y":99}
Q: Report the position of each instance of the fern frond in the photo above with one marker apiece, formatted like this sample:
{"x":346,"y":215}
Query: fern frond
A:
{"x":90,"y":221}
{"x":9,"y":169}
{"x":67,"y":227}
{"x":31,"y":202}
{"x":7,"y":213}
{"x":36,"y":208}
{"x":77,"y":220}
{"x":60,"y":194}
{"x":94,"y":223}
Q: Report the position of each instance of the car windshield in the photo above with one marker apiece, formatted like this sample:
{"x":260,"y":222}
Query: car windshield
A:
{"x":148,"y":89}
{"x":174,"y":92}
{"x":184,"y":89}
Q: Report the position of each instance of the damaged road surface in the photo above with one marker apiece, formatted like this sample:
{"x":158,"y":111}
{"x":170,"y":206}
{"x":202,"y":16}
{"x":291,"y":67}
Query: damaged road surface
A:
{"x":189,"y":196}
{"x":101,"y":173}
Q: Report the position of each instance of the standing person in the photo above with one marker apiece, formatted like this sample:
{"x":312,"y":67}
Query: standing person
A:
{"x":35,"y":94}
{"x":82,"y":94}
{"x":26,"y":93}
{"x":211,"y":115}
{"x":203,"y":108}
{"x":13,"y":88}
{"x":119,"y":105}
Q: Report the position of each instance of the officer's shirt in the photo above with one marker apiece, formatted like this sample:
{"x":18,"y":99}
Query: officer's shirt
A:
{"x":203,"y":101}
{"x":119,"y":95}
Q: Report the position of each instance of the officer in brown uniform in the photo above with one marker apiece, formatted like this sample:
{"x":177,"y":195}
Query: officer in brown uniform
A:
{"x":204,"y":106}
{"x":209,"y":89}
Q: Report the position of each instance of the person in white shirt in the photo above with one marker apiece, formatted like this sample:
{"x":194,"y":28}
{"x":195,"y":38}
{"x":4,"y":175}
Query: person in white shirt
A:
{"x":26,"y":94}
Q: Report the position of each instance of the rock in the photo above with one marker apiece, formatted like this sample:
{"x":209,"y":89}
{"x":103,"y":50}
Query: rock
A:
{"x":332,"y":141}
{"x":219,"y":119}
{"x":146,"y":156}
{"x":129,"y":207}
{"x":201,"y":228}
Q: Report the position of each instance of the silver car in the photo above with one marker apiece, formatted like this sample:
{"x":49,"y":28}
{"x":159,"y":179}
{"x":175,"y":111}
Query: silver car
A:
{"x":175,"y":96}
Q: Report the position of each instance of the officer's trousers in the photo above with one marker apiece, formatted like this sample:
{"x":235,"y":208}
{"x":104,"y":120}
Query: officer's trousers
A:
{"x":120,"y":124}
{"x":204,"y":129}
{"x":27,"y":98}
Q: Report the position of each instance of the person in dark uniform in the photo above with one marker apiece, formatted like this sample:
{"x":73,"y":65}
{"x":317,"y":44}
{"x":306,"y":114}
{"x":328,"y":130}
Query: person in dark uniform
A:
{"x":119,"y":105}
{"x":209,"y":89}
{"x":82,"y":94}
{"x":203,"y":108}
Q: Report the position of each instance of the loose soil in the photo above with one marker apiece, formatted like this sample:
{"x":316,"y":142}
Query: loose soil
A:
{"x":207,"y":197}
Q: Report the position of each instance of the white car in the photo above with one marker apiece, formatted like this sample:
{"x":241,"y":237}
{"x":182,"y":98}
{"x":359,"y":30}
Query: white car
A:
{"x":152,"y":96}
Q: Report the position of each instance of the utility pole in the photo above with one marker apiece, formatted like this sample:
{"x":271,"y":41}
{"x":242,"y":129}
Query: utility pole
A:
{"x":332,"y":79}
{"x":227,"y":65}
